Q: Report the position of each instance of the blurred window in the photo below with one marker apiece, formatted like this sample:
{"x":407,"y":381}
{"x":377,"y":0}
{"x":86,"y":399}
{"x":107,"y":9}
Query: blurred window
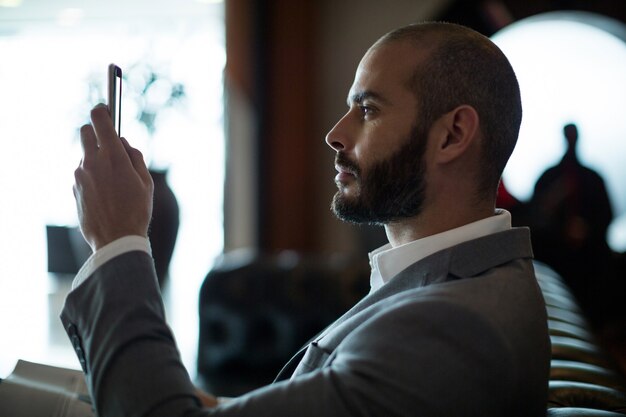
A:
{"x":53,"y":69}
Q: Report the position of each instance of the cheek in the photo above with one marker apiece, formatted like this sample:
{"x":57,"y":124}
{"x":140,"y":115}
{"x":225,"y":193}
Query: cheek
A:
{"x":375,"y":144}
{"x":378,"y":148}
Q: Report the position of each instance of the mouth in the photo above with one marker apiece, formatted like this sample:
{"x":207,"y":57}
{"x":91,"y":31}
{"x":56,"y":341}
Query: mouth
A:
{"x":344,"y":170}
{"x":348,"y":171}
{"x":344,"y":175}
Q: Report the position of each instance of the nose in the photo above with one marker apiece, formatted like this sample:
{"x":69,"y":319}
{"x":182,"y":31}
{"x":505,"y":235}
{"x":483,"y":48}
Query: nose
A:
{"x":337,"y":137}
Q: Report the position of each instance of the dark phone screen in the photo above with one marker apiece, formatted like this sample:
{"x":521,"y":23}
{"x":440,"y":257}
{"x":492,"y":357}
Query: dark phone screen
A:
{"x":117,"y":85}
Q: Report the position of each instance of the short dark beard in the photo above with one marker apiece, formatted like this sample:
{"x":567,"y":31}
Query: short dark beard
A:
{"x":391,"y":190}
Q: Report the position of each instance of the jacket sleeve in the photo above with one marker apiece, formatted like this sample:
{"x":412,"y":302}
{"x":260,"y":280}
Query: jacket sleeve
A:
{"x":386,"y":366}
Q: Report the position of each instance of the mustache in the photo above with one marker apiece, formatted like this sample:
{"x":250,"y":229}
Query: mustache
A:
{"x":346,"y":164}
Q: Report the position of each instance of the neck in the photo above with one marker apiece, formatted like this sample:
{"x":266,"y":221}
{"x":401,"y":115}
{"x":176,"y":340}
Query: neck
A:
{"x":434,"y":221}
{"x":570,"y":155}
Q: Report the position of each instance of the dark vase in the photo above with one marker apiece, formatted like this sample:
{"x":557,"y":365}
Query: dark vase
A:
{"x":164,"y":226}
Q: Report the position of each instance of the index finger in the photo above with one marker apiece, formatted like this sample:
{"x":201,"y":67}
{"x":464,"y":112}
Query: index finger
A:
{"x":89,"y":143}
{"x":105,"y":131}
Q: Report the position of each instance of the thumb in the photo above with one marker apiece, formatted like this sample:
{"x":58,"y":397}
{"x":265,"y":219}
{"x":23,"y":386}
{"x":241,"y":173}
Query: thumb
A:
{"x":136,"y":158}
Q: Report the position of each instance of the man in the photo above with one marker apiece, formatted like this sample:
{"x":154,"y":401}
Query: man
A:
{"x":455,"y":323}
{"x":571,"y":212}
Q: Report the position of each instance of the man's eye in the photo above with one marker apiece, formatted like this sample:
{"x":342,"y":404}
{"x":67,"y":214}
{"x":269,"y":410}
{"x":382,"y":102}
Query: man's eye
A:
{"x":366,"y":110}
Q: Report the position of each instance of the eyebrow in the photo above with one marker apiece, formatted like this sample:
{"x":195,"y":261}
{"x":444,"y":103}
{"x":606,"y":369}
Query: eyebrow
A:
{"x":361,"y":96}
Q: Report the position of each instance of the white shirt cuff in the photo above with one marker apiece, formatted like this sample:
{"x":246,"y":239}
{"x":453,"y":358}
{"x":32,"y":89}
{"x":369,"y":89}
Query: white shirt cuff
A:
{"x":106,"y":253}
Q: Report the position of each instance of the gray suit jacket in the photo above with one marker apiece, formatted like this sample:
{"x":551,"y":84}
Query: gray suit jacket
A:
{"x":460,"y":333}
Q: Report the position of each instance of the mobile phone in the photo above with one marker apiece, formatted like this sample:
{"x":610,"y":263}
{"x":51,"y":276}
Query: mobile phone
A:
{"x":115,"y":96}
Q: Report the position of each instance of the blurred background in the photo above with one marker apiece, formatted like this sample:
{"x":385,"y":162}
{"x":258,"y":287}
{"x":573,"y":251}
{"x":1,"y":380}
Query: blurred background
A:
{"x":230,"y":102}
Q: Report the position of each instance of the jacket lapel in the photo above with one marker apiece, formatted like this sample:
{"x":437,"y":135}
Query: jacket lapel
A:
{"x":461,"y":261}
{"x":458,"y":262}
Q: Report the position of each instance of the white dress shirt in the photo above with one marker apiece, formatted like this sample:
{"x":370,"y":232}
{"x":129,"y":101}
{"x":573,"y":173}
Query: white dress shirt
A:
{"x":387,"y":261}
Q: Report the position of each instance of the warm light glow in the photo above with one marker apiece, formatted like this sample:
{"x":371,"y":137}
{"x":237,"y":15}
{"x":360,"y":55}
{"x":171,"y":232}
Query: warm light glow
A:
{"x":10,"y":3}
{"x":569,"y":71}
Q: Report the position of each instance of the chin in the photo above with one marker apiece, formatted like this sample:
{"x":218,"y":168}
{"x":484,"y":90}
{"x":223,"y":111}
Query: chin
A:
{"x":347,"y":191}
{"x":345,"y":197}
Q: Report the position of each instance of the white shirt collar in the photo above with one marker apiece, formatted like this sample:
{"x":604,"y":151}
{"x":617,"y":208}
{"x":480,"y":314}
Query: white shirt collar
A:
{"x":386,"y":262}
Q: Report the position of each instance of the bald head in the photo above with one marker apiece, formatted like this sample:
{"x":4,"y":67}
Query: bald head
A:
{"x":461,"y":67}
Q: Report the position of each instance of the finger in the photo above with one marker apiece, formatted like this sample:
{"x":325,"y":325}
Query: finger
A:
{"x":207,"y":400}
{"x":79,"y":178}
{"x":105,"y":131}
{"x":89,"y":143}
{"x":136,"y":158}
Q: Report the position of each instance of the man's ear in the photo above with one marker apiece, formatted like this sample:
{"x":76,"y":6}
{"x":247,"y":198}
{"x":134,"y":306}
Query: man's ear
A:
{"x":455,"y":132}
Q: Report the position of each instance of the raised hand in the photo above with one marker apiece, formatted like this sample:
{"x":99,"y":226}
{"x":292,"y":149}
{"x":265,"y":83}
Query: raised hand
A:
{"x":113,"y":187}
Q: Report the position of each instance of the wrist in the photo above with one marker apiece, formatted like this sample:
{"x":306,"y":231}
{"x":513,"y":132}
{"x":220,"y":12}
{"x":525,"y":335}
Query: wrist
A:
{"x":100,"y":242}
